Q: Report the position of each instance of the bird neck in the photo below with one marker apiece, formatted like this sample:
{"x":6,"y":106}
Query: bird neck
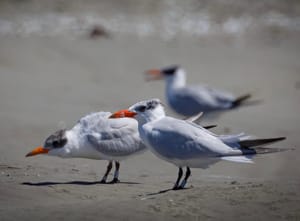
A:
{"x":177,"y":80}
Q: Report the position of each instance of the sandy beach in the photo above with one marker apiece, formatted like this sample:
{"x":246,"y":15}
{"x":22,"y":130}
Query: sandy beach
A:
{"x":49,"y":82}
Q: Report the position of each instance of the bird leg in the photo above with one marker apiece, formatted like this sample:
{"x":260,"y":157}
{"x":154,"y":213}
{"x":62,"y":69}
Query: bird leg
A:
{"x":108,"y":168}
{"x":176,"y":186}
{"x":116,"y":174}
{"x":187,"y":175}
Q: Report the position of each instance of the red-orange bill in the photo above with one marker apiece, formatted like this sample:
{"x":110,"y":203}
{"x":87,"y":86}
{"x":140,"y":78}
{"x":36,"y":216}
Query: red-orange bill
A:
{"x":123,"y":113}
{"x":36,"y":151}
{"x":153,"y":74}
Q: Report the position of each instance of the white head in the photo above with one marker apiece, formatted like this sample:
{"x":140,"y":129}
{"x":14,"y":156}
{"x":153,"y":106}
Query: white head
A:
{"x":143,"y":111}
{"x":59,"y":144}
{"x":174,"y":75}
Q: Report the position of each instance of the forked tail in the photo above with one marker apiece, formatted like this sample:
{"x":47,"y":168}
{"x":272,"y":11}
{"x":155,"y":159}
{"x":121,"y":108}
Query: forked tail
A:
{"x":253,"y":147}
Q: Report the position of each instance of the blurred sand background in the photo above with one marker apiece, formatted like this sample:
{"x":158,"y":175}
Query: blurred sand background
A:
{"x":52,"y":73}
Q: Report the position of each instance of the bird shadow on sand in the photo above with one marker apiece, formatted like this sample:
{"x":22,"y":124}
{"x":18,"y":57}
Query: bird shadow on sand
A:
{"x":82,"y":183}
{"x":167,"y":190}
{"x":152,"y":195}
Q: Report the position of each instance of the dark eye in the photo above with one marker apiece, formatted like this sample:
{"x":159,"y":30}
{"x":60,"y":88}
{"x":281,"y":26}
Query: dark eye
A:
{"x":141,"y":108}
{"x":59,"y":143}
{"x":170,"y":70}
{"x":55,"y":143}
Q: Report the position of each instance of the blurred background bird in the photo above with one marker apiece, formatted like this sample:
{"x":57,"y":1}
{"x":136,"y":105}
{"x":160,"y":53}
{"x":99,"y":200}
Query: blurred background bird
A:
{"x":190,"y":100}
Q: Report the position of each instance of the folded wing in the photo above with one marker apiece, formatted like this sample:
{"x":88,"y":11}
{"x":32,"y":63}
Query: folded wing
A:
{"x":112,"y":137}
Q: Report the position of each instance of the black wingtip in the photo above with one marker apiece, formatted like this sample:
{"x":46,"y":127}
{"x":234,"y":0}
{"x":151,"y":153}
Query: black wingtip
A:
{"x":239,"y":100}
{"x":259,"y":142}
{"x":210,"y":126}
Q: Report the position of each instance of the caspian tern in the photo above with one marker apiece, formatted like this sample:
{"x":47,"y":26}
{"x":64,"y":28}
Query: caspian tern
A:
{"x":95,"y":136}
{"x":190,"y":100}
{"x":189,"y":145}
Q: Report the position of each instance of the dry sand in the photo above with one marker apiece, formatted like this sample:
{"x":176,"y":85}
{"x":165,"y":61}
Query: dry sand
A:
{"x":48,"y":82}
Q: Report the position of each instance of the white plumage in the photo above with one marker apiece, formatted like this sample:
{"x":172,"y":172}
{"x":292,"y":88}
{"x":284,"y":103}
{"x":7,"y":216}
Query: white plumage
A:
{"x":186,"y":144}
{"x":95,"y":136}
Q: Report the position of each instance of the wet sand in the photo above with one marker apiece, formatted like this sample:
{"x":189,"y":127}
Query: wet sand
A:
{"x":49,"y":82}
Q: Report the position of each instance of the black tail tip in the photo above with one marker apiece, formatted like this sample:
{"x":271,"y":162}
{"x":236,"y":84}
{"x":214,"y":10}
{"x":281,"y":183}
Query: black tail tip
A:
{"x":239,"y":100}
{"x":210,"y":126}
{"x":279,"y":138}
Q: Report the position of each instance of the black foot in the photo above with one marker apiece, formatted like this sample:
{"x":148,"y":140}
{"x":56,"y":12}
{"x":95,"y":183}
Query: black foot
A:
{"x":178,"y":188}
{"x":115,"y":180}
{"x":103,"y":181}
{"x":175,"y":187}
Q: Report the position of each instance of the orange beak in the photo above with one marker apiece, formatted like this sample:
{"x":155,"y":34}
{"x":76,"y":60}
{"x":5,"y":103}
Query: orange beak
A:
{"x":154,"y":74}
{"x":36,"y":151}
{"x":123,"y":113}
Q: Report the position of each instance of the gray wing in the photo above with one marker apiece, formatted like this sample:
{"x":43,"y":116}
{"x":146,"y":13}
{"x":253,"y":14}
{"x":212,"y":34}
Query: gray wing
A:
{"x":211,"y":96}
{"x":200,"y":99}
{"x":219,"y":95}
{"x":177,"y":139}
{"x":116,"y":137}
